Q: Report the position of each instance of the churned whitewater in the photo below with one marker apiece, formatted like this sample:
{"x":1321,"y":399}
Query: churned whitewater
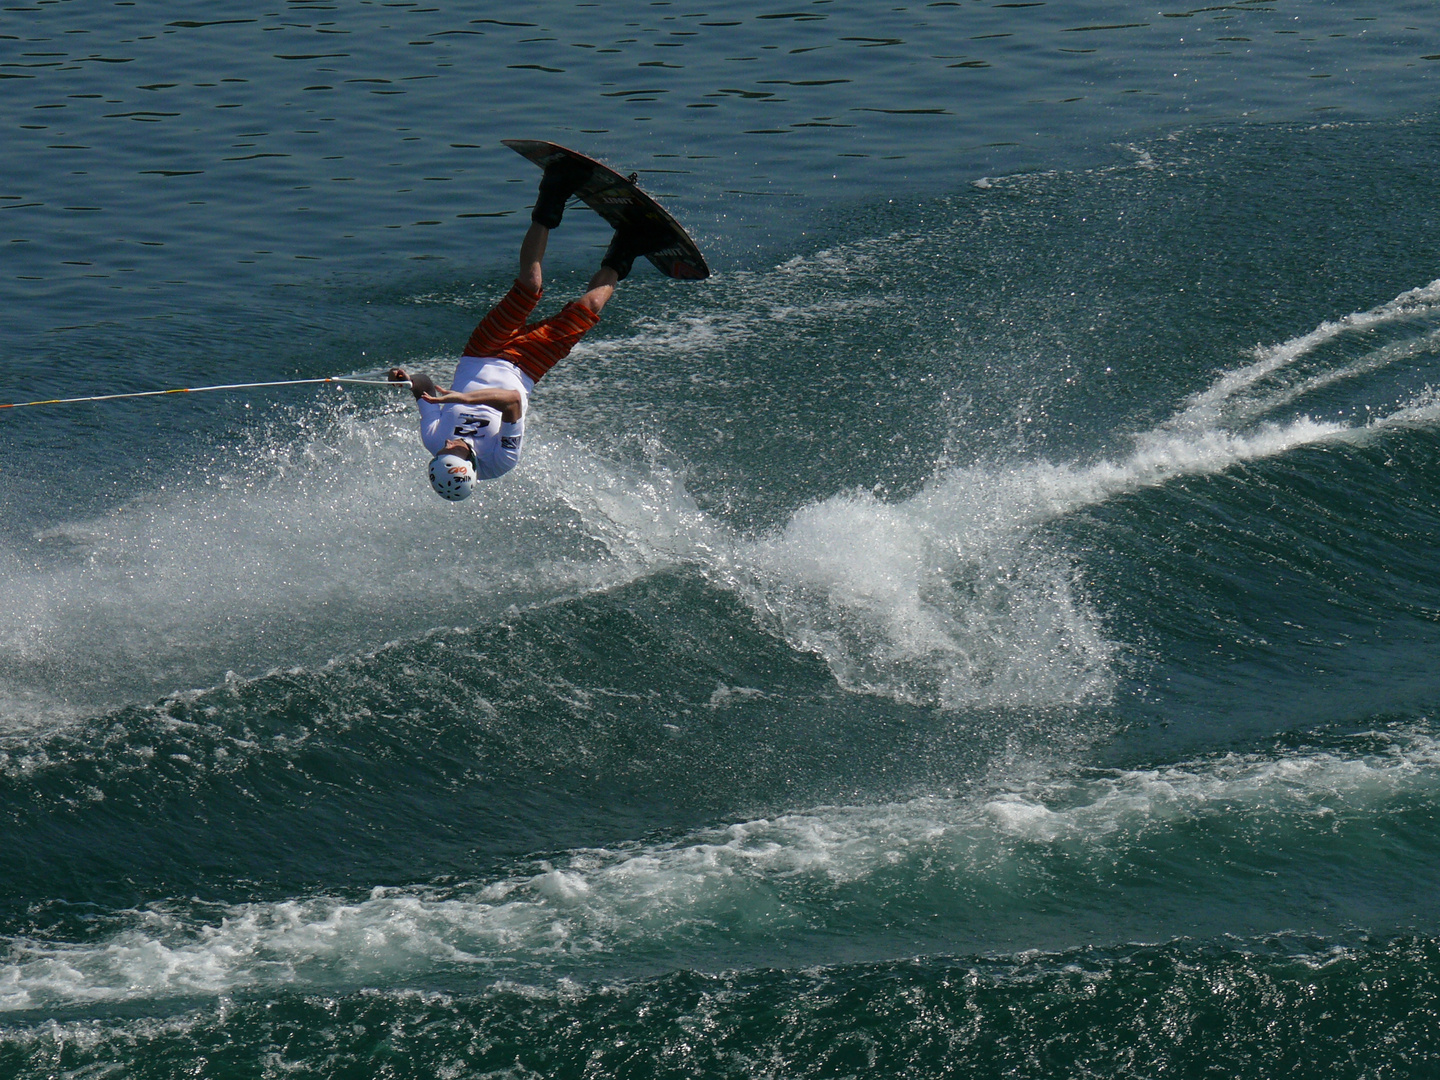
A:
{"x":987,"y":629}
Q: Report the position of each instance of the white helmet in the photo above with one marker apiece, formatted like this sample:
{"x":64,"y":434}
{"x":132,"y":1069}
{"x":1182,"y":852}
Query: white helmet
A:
{"x":452,"y":476}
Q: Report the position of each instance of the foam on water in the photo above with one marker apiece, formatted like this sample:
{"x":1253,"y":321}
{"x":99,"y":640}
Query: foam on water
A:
{"x":1217,"y":403}
{"x":975,"y":856}
{"x":288,"y":551}
{"x":955,"y":596}
{"x":305,"y":548}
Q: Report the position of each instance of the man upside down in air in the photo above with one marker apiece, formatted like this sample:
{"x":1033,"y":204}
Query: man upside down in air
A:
{"x":474,"y":429}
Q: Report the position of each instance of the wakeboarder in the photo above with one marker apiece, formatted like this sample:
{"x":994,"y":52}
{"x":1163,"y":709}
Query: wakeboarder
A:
{"x":475,"y":429}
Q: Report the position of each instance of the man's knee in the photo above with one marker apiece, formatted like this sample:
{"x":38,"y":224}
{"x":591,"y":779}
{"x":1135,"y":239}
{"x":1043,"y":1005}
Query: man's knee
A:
{"x":596,"y":299}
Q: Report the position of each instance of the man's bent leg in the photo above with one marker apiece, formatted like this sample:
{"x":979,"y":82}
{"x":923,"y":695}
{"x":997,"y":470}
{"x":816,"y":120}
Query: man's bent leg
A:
{"x":537,"y":349}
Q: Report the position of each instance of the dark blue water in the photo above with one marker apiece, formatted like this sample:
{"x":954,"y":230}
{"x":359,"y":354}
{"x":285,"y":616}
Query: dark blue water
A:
{"x":988,"y":628}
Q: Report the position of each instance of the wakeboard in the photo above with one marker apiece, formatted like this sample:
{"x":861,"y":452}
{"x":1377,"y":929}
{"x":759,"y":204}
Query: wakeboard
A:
{"x":619,"y":200}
